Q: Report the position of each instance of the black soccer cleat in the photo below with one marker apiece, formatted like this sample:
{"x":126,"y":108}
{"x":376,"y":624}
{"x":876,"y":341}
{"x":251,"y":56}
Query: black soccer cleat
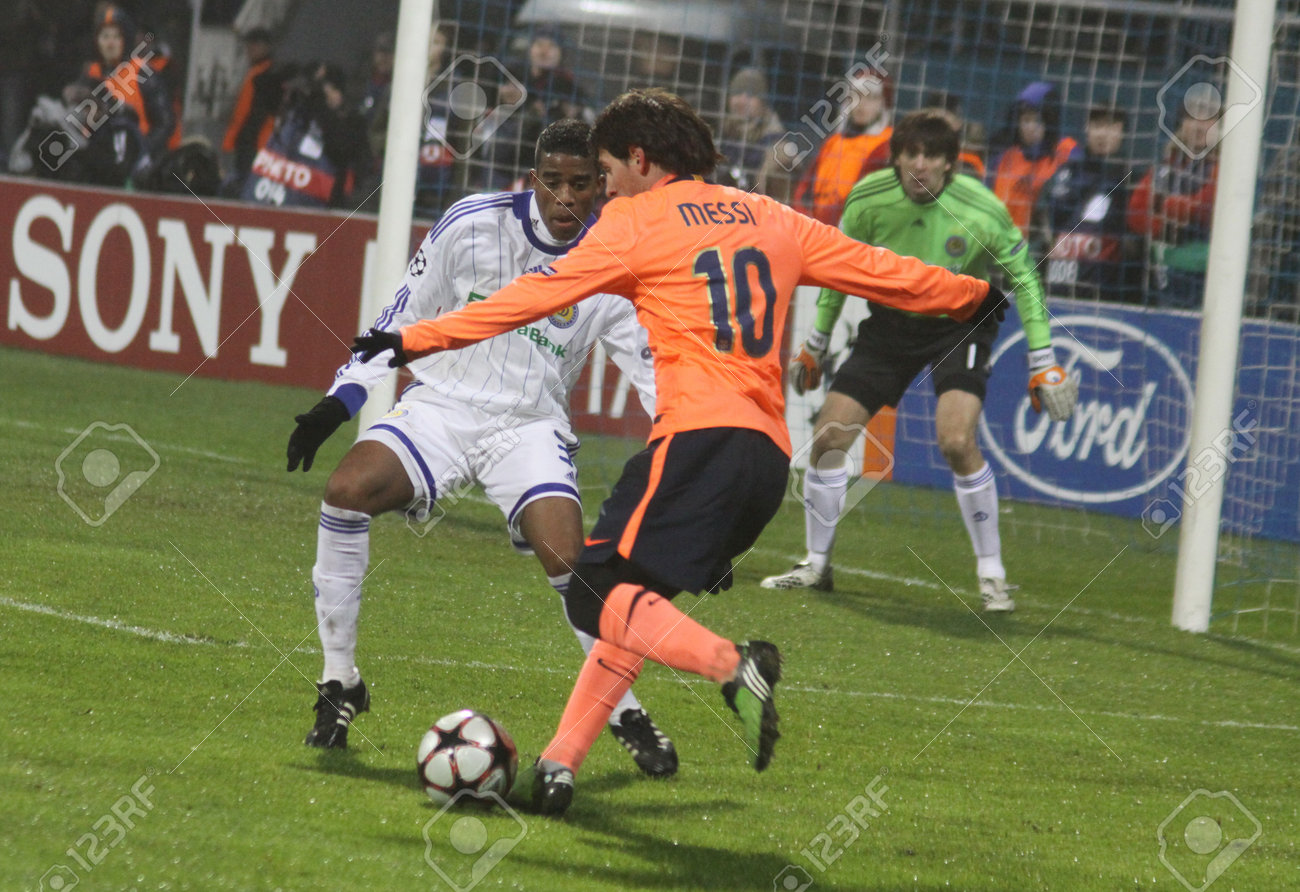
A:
{"x":336,"y":707}
{"x":552,"y":789}
{"x":750,"y":696}
{"x":651,"y":749}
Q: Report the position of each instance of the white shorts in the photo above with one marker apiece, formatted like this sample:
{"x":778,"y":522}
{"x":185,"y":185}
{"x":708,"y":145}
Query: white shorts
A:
{"x":447,"y":447}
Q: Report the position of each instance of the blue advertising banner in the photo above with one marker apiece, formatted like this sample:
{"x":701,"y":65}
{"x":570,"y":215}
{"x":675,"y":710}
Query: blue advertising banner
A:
{"x":1125,"y":450}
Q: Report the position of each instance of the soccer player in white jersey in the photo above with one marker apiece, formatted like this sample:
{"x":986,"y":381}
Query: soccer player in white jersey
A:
{"x":496,"y":414}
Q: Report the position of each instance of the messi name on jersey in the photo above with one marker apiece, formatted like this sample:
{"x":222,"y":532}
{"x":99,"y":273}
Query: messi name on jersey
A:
{"x":714,"y":213}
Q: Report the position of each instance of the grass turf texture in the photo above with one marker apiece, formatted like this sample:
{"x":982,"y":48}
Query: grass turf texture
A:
{"x":176,"y":643}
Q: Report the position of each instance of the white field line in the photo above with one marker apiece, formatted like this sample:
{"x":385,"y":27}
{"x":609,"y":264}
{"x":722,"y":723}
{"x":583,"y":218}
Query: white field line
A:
{"x":123,"y":438}
{"x":173,"y":638}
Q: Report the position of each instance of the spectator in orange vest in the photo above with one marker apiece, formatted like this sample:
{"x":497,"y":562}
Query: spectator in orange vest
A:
{"x":842,"y":158}
{"x":123,"y":69}
{"x":259,"y":100}
{"x":1035,"y":149}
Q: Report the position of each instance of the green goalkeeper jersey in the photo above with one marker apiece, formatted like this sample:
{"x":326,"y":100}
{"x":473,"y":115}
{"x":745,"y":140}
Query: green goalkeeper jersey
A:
{"x":966,"y":230}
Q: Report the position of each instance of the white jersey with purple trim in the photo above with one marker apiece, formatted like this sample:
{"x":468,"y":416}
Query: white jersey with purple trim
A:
{"x":482,"y":243}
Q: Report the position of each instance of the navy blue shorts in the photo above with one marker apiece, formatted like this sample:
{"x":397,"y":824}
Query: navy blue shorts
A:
{"x":687,"y":504}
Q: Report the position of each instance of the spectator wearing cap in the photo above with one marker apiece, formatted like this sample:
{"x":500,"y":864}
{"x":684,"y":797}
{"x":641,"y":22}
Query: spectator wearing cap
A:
{"x":129,"y":78}
{"x":1034,"y":150}
{"x":839,"y":163}
{"x":257,"y":104}
{"x":750,"y":128}
{"x":1172,"y":205}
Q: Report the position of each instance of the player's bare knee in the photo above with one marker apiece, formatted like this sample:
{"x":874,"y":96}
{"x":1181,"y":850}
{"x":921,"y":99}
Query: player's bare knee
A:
{"x":559,"y":556}
{"x":352,"y":492}
{"x":959,"y":448}
{"x":831,"y":442}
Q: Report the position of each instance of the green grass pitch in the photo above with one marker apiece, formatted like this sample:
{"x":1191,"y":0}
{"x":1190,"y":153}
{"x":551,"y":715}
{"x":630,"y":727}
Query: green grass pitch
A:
{"x":158,"y":677}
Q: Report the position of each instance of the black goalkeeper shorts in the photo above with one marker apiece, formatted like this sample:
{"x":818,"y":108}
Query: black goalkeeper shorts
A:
{"x":893,"y":348}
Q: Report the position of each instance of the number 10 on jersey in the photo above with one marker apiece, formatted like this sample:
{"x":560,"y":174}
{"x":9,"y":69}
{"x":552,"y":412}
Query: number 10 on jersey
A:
{"x":734,"y":300}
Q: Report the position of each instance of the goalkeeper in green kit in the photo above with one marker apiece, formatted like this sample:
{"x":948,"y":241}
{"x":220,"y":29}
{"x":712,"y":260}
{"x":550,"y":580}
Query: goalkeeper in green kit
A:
{"x":919,"y":208}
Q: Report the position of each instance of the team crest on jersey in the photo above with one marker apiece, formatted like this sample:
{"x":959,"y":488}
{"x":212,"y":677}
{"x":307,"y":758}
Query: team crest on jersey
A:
{"x":955,"y":246}
{"x":418,"y":263}
{"x":565,"y":318}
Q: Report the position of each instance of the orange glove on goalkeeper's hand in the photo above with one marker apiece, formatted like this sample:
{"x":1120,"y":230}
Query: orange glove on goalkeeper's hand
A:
{"x":806,"y":368}
{"x":1050,"y":387}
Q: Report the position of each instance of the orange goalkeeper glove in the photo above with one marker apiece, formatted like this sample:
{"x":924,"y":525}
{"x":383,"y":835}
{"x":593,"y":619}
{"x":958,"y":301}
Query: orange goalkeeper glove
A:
{"x":806,"y":368}
{"x":1050,"y":387}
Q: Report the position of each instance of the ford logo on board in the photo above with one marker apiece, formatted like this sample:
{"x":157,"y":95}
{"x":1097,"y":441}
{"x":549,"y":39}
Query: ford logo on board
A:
{"x":1130,"y":431}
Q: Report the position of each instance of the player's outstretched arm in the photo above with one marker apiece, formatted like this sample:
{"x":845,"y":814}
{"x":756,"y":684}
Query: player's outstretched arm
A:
{"x":833,"y":260}
{"x":593,"y":266}
{"x":314,"y":428}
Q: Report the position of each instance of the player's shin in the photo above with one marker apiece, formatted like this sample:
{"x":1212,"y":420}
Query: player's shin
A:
{"x":977,"y":498}
{"x":561,"y":585}
{"x":647,"y":624}
{"x":606,"y":676}
{"x":342,"y":553}
{"x":823,"y":497}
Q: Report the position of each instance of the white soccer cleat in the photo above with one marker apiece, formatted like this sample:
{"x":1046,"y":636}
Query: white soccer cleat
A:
{"x":994,"y":592}
{"x":801,"y":575}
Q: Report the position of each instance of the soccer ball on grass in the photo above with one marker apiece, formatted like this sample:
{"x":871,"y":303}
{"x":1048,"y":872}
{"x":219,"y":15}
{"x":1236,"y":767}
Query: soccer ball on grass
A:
{"x":466,"y":751}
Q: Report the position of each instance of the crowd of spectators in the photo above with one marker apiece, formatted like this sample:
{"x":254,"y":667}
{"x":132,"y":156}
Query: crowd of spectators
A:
{"x":300,"y":134}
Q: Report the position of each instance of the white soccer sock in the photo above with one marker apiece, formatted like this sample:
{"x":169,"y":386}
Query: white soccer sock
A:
{"x":342,"y":553}
{"x":823,"y":500}
{"x":977,"y":499}
{"x":561,"y":584}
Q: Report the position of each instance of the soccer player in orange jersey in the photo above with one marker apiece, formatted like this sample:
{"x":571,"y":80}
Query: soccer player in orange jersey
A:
{"x":711,"y":271}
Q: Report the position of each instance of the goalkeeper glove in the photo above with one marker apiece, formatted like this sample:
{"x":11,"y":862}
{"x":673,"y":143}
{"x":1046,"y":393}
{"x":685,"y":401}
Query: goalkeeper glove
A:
{"x":314,"y":428}
{"x":806,"y":368}
{"x":368,"y":346}
{"x":1050,"y":387}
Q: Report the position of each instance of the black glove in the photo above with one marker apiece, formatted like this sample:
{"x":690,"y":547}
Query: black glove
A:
{"x":313,"y":429}
{"x":368,"y":346}
{"x":995,"y":305}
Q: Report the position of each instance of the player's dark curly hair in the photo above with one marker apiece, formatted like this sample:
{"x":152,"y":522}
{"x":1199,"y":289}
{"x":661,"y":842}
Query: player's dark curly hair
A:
{"x":568,"y":136}
{"x":928,"y":131}
{"x":663,"y":125}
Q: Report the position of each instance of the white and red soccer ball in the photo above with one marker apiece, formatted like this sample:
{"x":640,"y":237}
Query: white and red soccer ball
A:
{"x":466,"y":752}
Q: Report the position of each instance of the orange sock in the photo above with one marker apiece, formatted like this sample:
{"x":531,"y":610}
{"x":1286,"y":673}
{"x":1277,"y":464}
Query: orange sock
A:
{"x":604,"y":678}
{"x":647,"y":624}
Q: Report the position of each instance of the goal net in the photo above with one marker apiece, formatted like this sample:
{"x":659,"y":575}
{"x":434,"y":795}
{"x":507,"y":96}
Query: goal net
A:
{"x":1120,"y":233}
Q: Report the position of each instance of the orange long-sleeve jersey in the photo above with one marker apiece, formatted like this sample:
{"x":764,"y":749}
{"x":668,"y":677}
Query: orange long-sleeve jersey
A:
{"x":710,"y":271}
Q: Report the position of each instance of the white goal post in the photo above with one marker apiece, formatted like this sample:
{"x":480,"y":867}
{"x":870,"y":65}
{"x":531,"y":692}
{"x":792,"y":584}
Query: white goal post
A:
{"x":1216,"y":376}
